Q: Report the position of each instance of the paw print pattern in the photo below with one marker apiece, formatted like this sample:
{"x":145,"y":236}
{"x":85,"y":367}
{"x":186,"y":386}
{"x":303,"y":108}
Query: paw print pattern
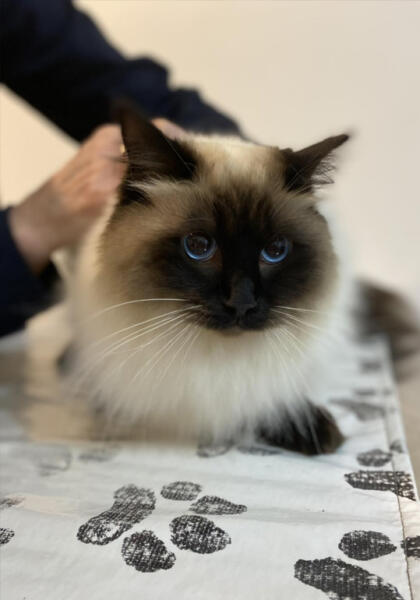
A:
{"x":144,"y":550}
{"x":370,"y":366}
{"x":343,"y":581}
{"x":411,"y":546}
{"x":146,"y":553}
{"x":365,"y":392}
{"x":365,"y":545}
{"x":52,"y":459}
{"x":255,"y":449}
{"x":397,"y":482}
{"x":198,"y":534}
{"x":374,"y":458}
{"x":132,"y":505}
{"x":213,"y":505}
{"x":5,"y":535}
{"x":397,"y":446}
{"x":260,"y":450}
{"x":204,"y":451}
{"x":181,"y":490}
{"x":339,"y":579}
{"x":8,"y":502}
{"x":362,"y":410}
{"x":99,"y":454}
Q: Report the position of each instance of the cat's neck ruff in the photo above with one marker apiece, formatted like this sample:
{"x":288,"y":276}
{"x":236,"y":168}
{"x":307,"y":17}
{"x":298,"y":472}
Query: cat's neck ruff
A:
{"x":149,"y":360}
{"x":207,"y":382}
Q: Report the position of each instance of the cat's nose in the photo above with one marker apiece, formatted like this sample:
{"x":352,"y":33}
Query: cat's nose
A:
{"x":242,"y":297}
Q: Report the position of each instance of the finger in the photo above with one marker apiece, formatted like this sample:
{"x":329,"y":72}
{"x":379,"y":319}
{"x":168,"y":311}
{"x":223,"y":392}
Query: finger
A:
{"x":171,"y":130}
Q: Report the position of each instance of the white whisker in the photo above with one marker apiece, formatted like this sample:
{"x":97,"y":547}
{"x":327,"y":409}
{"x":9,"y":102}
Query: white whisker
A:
{"x":295,"y":341}
{"x":190,"y":346}
{"x":114,"y":306}
{"x":311,"y":325}
{"x":307,"y":333}
{"x":117,"y":406}
{"x":152,"y":341}
{"x":190,"y":332}
{"x":158,"y":356}
{"x":95,"y":360}
{"x":327,"y":339}
{"x":289,"y":378}
{"x":295,"y":308}
{"x":120,"y":344}
{"x":151,"y":319}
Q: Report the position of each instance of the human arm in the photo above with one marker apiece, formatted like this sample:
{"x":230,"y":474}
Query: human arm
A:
{"x":55,"y":215}
{"x":56,"y":58}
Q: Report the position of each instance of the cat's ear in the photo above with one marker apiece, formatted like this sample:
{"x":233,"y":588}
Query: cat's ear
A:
{"x":149,"y":152}
{"x":311,"y":166}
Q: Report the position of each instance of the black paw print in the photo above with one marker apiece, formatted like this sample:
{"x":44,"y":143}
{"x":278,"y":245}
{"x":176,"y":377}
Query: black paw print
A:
{"x":6,"y":535}
{"x":144,"y":550}
{"x":8,"y":502}
{"x":343,"y":580}
{"x":346,"y":581}
{"x":399,"y":483}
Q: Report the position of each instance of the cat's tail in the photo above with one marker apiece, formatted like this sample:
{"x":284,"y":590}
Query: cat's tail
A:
{"x":387,"y":311}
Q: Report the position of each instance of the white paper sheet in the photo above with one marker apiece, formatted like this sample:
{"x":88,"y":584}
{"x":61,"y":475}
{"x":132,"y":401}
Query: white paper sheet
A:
{"x":101,"y":520}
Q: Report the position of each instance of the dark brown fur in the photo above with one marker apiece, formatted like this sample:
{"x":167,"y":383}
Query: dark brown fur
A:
{"x":193,"y":193}
{"x":190,"y":186}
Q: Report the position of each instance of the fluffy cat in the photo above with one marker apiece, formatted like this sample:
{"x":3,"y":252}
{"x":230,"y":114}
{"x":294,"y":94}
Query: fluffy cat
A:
{"x":203,"y":298}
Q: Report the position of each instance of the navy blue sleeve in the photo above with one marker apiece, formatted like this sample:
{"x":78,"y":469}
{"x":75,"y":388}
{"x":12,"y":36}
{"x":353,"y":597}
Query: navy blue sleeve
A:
{"x":21,"y":293}
{"x":56,"y":58}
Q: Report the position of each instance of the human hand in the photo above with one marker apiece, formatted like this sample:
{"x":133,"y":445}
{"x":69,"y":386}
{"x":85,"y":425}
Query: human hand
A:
{"x":168,"y":128}
{"x":61,"y":211}
{"x":67,"y":204}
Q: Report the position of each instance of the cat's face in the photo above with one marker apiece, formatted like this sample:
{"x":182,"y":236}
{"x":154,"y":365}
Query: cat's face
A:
{"x":230,"y":227}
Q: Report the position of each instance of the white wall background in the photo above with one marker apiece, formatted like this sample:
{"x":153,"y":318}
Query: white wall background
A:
{"x":292,"y":73}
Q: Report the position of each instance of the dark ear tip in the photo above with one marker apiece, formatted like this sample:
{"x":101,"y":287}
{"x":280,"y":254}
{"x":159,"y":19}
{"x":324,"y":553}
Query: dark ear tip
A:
{"x":122,"y":107}
{"x":341,"y":139}
{"x":117,"y":108}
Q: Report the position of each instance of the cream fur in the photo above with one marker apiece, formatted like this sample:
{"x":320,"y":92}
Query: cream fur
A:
{"x":216,"y":383}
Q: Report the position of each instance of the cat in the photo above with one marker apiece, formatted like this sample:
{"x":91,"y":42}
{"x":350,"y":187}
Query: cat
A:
{"x":203,"y":299}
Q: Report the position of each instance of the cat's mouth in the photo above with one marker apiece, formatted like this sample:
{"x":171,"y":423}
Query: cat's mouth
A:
{"x":234,"y":324}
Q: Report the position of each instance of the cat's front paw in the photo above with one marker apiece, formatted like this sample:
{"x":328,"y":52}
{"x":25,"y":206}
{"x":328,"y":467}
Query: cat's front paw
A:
{"x":315,"y":432}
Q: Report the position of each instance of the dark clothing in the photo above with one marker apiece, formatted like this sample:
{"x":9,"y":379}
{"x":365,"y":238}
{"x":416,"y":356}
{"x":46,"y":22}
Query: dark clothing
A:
{"x":21,"y":293}
{"x":55,"y":57}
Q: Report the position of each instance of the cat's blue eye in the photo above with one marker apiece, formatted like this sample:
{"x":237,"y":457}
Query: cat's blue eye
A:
{"x":276,"y":251}
{"x":199,"y":246}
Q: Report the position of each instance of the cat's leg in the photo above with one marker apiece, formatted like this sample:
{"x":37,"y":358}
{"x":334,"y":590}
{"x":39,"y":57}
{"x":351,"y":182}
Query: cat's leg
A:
{"x":315,"y":432}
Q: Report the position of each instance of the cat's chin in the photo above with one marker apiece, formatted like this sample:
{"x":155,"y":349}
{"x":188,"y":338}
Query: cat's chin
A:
{"x":232,"y":331}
